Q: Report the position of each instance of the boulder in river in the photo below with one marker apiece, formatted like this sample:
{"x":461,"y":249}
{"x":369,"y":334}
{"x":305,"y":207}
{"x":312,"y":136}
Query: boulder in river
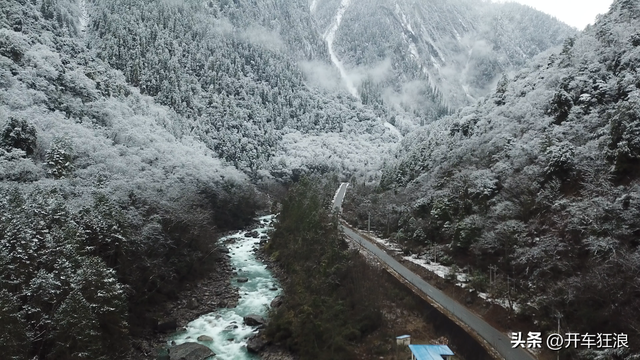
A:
{"x":253,"y":234}
{"x":256,"y":343}
{"x":276,"y":302}
{"x":205,"y":338}
{"x":190,"y":351}
{"x":242,"y":280}
{"x":253,"y":320}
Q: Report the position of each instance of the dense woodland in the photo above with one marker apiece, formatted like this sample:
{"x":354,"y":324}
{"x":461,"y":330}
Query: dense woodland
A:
{"x":237,"y":88}
{"x":333,"y":297}
{"x":103,"y":210}
{"x":541,"y":179}
{"x":132,"y":132}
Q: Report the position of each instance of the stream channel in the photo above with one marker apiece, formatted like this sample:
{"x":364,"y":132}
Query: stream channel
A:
{"x":225,"y":326}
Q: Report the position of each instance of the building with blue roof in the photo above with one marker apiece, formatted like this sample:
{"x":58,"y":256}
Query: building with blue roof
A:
{"x":430,"y":352}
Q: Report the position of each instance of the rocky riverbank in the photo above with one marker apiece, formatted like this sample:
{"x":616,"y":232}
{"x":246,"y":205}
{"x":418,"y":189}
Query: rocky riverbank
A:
{"x":213,"y":292}
{"x":276,"y":353}
{"x":206,"y":295}
{"x":273,"y":351}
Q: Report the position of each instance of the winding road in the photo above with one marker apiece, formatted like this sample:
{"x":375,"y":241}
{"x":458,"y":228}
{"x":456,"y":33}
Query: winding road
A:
{"x":497,"y":343}
{"x":337,"y":200}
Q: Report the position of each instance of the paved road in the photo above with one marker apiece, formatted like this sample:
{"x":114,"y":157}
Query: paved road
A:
{"x":337,"y":202}
{"x":500,"y":342}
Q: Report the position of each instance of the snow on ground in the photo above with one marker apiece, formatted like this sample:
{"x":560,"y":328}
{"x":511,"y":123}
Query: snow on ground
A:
{"x":502,"y":302}
{"x":388,"y":244}
{"x":438,"y":269}
{"x":329,"y":37}
{"x":403,"y":19}
{"x":462,"y":278}
{"x":414,"y":51}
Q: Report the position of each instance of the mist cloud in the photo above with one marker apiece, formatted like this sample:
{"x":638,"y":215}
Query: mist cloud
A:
{"x":259,"y":35}
{"x":326,"y":76}
{"x":322,"y":75}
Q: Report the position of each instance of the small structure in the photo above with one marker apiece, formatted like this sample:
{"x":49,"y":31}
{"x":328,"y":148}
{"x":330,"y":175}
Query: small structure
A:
{"x":403,"y":340}
{"x":430,"y":352}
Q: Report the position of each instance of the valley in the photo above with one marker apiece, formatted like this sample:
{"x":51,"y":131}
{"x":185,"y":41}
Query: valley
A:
{"x":487,"y":140}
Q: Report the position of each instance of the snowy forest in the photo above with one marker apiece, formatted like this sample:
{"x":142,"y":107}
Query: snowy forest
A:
{"x":541,"y":178}
{"x":132,"y":132}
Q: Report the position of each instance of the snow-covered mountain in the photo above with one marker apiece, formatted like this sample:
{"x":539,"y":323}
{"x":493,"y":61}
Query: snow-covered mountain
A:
{"x":132,"y":130}
{"x":282,"y":88}
{"x":253,"y":78}
{"x":540,"y":179}
{"x":427,"y":56}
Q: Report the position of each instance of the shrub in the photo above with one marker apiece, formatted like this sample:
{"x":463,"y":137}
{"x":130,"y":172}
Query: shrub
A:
{"x":18,"y":134}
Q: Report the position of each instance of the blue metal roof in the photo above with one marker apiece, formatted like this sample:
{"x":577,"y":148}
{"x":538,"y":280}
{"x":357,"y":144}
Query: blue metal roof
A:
{"x":430,"y":352}
{"x":403,"y":336}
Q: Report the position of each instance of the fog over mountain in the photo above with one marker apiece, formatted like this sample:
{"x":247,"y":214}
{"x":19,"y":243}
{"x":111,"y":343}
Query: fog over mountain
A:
{"x":428,"y":57}
{"x":539,"y":179}
{"x":252,"y":78}
{"x":133,"y":131}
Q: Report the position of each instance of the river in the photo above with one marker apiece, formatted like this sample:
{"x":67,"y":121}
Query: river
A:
{"x":225,"y":326}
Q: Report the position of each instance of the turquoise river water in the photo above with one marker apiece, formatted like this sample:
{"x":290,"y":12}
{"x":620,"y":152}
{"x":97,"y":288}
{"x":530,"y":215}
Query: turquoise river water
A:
{"x":225,"y":325}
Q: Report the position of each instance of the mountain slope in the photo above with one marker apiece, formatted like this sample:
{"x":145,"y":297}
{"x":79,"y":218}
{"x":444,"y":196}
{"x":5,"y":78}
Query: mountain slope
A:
{"x":430,"y":56}
{"x":251,"y":75}
{"x":540,"y":179}
{"x":236,"y":84}
{"x":103,"y":210}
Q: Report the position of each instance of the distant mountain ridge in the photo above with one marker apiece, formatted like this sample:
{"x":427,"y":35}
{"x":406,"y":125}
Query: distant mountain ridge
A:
{"x":253,"y":79}
{"x":419,"y":58}
{"x":427,"y":55}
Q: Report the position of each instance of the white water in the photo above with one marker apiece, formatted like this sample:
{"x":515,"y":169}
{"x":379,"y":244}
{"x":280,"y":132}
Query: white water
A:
{"x":329,"y":37}
{"x":255,"y":298}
